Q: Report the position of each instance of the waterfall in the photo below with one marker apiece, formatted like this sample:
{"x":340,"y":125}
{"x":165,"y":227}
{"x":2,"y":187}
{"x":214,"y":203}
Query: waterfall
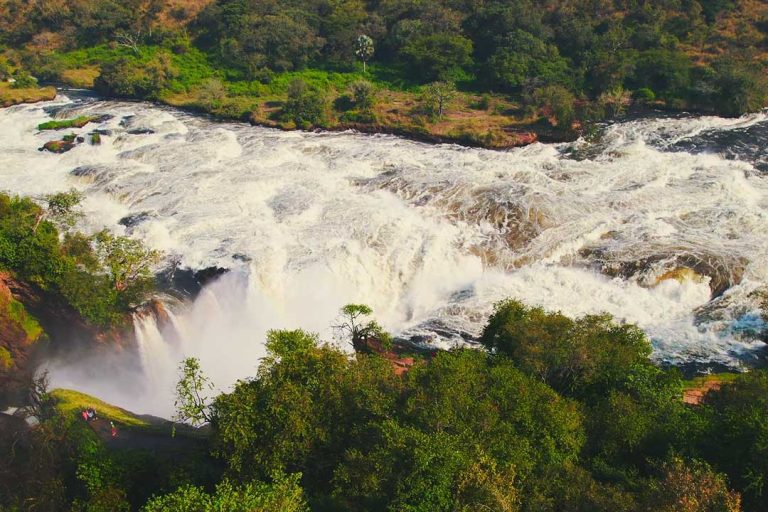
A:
{"x":660,"y":223}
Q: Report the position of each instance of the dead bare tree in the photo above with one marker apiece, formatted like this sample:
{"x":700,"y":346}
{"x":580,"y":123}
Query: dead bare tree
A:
{"x":129,"y":40}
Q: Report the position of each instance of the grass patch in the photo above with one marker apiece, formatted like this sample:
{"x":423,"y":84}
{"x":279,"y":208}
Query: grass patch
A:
{"x":80,"y":77}
{"x":10,"y":96}
{"x":70,"y":403}
{"x":77,"y":122}
{"x":6,"y":359}
{"x":700,"y":382}
{"x":18,"y":314}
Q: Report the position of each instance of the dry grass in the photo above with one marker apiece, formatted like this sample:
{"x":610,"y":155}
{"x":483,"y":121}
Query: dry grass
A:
{"x":81,"y":77}
{"x":10,"y":96}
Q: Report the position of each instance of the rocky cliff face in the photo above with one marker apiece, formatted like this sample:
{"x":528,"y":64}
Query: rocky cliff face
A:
{"x":35,"y":324}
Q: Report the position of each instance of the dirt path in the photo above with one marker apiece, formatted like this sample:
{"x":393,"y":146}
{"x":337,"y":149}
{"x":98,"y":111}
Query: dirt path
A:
{"x":694,"y":396}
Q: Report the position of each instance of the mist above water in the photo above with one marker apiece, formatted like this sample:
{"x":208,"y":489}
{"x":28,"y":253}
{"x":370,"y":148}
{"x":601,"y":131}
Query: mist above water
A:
{"x":429,"y":236}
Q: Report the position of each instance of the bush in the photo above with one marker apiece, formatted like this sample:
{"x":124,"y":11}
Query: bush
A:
{"x":645,"y":95}
{"x":364,"y":94}
{"x":436,"y":97}
{"x":24,"y":81}
{"x":741,"y":86}
{"x":133,"y":78}
{"x":556,"y":103}
{"x":211,"y":94}
{"x":305,"y":106}
{"x":484,"y":103}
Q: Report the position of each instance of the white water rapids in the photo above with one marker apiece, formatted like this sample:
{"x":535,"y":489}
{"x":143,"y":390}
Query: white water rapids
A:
{"x":429,"y":236}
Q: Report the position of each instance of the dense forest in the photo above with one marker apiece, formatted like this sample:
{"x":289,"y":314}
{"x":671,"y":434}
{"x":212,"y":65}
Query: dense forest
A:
{"x":556,"y":415}
{"x":402,"y":64}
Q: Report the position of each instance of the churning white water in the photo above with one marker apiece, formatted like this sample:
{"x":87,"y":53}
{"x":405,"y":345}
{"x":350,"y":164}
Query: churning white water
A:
{"x":429,"y":236}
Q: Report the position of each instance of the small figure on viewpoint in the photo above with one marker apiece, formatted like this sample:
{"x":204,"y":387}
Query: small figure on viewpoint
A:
{"x":85,"y":415}
{"x":91,"y":414}
{"x":114,"y":429}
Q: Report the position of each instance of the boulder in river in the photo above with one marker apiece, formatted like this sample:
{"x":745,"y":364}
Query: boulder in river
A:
{"x":58,"y":146}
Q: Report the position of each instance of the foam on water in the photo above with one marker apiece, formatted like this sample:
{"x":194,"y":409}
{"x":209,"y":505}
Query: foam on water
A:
{"x":429,"y":236}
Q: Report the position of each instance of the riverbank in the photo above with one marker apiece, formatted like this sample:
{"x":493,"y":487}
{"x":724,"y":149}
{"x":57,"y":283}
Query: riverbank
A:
{"x":500,"y":125}
{"x":10,"y":96}
{"x":327,"y":102}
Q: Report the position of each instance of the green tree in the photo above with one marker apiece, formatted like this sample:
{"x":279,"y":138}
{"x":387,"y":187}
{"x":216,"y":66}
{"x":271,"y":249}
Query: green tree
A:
{"x":690,"y":487}
{"x":521,"y":58}
{"x":358,"y":331}
{"x":61,"y":208}
{"x":364,"y":49}
{"x":24,"y":80}
{"x":557,"y":104}
{"x":435,"y":98}
{"x":737,"y":417}
{"x":741,"y":87}
{"x":583,"y":358}
{"x":305,"y":106}
{"x":192,"y":403}
{"x":440,"y":57}
{"x":126,"y":260}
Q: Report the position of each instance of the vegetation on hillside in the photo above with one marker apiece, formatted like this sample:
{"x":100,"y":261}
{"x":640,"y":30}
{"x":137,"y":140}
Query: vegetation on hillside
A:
{"x":519,"y":66}
{"x":102,"y":277}
{"x":560,"y":414}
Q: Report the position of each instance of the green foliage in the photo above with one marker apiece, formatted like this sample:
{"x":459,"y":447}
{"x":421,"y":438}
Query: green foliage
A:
{"x":62,"y":208}
{"x":17,"y":313}
{"x":741,"y":87}
{"x":339,"y":419}
{"x":645,"y":95}
{"x":191,"y":401}
{"x":211,"y":94}
{"x":306,"y":106}
{"x":127,"y":262}
{"x":101,"y":282}
{"x":283,"y":494}
{"x":24,"y":81}
{"x":6,"y":359}
{"x":691,"y":487}
{"x":738,"y":426}
{"x":137,"y":77}
{"x":364,"y":49}
{"x":557,"y":103}
{"x":514,"y":47}
{"x":364,"y":95}
{"x":522,"y":58}
{"x":353,"y":329}
{"x":443,"y":57}
{"x":582,"y":358}
{"x":436,"y":97}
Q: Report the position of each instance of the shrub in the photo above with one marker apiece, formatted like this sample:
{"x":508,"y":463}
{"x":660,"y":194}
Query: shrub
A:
{"x":24,"y":81}
{"x":557,"y":103}
{"x":435,"y":98}
{"x":364,"y":94}
{"x":645,"y":95}
{"x":132,"y":78}
{"x":305,"y":106}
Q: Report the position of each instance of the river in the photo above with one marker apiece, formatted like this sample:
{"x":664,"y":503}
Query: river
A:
{"x":430,"y":236}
